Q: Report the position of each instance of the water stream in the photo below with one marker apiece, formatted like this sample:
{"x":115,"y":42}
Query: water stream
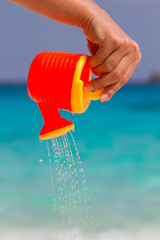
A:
{"x":68,"y":182}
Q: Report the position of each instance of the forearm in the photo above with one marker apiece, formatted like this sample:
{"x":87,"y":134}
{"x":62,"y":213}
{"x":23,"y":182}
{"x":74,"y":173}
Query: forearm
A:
{"x":72,"y":12}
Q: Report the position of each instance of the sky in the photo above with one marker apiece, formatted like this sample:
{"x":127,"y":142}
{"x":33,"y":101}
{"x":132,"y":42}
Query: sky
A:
{"x":23,"y":34}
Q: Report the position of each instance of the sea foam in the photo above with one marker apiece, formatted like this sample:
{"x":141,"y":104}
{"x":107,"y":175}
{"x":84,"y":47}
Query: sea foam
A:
{"x":25,"y":234}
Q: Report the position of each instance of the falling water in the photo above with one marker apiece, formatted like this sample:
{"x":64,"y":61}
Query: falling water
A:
{"x":68,"y":182}
{"x":51,"y":175}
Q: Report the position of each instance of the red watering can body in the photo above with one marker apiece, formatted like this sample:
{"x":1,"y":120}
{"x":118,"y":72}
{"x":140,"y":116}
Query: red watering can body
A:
{"x":56,"y":81}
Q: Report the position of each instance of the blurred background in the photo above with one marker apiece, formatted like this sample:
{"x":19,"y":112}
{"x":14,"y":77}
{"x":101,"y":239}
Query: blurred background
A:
{"x":118,"y":141}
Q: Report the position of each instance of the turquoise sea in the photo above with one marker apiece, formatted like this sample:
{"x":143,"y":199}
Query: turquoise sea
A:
{"x":119,"y":145}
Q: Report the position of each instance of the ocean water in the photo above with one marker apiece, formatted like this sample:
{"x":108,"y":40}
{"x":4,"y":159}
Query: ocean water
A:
{"x":119,"y":145}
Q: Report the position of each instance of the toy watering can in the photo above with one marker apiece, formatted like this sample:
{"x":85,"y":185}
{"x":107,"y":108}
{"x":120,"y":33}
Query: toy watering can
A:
{"x":56,"y":81}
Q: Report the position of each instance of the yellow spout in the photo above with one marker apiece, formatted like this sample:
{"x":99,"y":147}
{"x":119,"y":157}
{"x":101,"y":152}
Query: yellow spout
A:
{"x":93,"y":95}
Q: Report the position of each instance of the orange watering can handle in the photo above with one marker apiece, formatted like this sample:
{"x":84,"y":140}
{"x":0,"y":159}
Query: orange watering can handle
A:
{"x":80,"y":99}
{"x":93,"y":95}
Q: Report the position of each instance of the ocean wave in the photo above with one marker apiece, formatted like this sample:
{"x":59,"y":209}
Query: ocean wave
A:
{"x":30,"y":234}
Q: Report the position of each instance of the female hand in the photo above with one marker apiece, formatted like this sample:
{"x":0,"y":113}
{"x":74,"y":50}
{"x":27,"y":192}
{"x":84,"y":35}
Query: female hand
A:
{"x":114,"y":54}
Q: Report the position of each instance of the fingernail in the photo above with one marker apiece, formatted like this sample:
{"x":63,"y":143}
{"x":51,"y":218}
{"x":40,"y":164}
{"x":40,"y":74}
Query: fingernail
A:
{"x":105,"y":97}
{"x":88,"y":88}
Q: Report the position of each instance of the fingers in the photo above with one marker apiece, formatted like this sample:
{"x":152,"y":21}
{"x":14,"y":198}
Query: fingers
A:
{"x":112,"y":89}
{"x":111,"y":62}
{"x":110,"y":78}
{"x":114,"y":55}
{"x":108,"y":52}
{"x":116,"y":79}
{"x":121,"y":73}
{"x":101,"y":55}
{"x":101,"y":82}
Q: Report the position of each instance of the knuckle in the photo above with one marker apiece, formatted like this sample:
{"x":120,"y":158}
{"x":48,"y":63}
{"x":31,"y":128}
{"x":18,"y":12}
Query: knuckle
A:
{"x":135,"y":47}
{"x":111,"y":92}
{"x":123,"y":42}
{"x":139,"y":56}
{"x":118,"y":75}
{"x":115,"y":41}
{"x":124,"y":80}
{"x":126,"y":42}
{"x":109,"y":66}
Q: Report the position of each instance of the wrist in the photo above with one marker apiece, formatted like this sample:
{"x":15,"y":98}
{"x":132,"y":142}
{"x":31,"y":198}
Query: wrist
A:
{"x":95,"y":25}
{"x":91,"y":11}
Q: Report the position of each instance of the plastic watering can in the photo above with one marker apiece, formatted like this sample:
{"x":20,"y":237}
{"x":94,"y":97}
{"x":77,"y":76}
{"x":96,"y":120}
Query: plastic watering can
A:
{"x":56,"y":81}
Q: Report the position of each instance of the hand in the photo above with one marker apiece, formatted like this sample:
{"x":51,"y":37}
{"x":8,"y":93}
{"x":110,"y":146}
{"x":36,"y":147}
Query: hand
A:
{"x":114,"y":55}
